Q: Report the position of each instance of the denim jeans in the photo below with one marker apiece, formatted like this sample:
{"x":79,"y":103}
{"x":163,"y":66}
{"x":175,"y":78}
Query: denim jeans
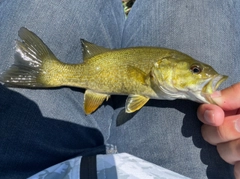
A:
{"x":42,"y":127}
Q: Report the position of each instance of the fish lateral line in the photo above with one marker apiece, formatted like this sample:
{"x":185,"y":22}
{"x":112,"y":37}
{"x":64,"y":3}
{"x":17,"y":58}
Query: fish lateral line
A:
{"x":141,"y":73}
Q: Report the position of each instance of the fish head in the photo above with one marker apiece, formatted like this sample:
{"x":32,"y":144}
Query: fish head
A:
{"x":180,"y":76}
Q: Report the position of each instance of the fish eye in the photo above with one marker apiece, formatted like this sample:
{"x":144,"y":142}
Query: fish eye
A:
{"x":196,"y":69}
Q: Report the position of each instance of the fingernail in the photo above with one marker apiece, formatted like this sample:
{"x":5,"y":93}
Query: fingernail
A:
{"x":237,"y":125}
{"x":216,"y":97}
{"x":216,"y":94}
{"x":209,"y":117}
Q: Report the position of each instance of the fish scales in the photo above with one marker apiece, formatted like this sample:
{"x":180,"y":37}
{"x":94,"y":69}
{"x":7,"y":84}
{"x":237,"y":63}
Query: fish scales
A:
{"x":113,"y":72}
{"x":141,"y":73}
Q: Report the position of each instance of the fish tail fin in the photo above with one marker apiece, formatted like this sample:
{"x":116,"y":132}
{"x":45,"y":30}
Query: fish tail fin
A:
{"x":34,"y":63}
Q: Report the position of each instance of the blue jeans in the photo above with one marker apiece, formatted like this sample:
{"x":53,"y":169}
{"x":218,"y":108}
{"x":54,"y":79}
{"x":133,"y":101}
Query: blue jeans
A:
{"x":39,"y":128}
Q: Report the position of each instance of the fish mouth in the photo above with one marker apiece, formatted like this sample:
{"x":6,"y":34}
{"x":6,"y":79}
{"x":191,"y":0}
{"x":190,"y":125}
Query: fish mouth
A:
{"x":212,"y":86}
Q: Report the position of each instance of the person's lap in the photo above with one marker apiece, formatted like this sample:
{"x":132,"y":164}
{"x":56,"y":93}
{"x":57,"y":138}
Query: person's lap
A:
{"x":168,"y":133}
{"x":39,"y":128}
{"x":163,"y":132}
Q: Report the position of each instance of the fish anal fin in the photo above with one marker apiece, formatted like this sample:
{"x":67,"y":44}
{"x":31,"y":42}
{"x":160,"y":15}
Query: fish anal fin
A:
{"x":93,"y":100}
{"x":89,"y":49}
{"x":135,"y":102}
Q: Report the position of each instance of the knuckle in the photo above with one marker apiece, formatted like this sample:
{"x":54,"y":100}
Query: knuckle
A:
{"x":221,"y":134}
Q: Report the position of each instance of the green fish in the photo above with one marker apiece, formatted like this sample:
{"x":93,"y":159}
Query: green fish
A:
{"x":141,"y":73}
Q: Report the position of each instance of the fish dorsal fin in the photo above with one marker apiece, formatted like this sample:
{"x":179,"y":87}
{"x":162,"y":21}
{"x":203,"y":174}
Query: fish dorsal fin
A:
{"x":93,"y":100}
{"x":137,"y":74}
{"x":89,"y":49}
{"x":135,"y":102}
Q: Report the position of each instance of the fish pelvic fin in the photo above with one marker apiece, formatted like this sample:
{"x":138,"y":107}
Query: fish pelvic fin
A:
{"x":33,"y":62}
{"x":93,"y":100}
{"x":135,"y":102}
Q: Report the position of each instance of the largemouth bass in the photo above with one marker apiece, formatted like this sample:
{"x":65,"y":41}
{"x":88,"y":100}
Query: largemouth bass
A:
{"x":139,"y":72}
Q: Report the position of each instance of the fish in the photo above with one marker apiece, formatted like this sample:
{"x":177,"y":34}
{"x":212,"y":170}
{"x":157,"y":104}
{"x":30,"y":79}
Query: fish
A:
{"x":141,"y":73}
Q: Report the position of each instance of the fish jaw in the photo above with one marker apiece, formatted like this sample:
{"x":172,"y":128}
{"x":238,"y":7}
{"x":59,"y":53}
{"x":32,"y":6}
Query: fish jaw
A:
{"x":210,"y":87}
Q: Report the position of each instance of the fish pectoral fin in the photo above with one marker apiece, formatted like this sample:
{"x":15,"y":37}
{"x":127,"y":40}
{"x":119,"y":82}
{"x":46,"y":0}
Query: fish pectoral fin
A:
{"x":89,"y":49}
{"x":137,"y":74}
{"x":93,"y":100}
{"x":135,"y":102}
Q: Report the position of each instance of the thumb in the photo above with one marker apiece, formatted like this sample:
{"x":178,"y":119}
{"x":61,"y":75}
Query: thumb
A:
{"x":228,"y":98}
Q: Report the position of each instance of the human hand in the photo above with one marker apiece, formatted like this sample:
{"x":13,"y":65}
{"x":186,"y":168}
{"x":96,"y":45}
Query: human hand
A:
{"x":222,"y":124}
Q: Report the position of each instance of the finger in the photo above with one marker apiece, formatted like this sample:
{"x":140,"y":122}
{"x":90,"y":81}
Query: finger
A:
{"x":230,"y":151}
{"x":210,"y":114}
{"x":237,"y":170}
{"x":229,"y":98}
{"x":229,"y":130}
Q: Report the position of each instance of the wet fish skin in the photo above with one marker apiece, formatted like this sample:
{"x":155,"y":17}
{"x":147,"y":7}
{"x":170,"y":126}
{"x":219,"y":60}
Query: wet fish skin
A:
{"x":139,"y":72}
